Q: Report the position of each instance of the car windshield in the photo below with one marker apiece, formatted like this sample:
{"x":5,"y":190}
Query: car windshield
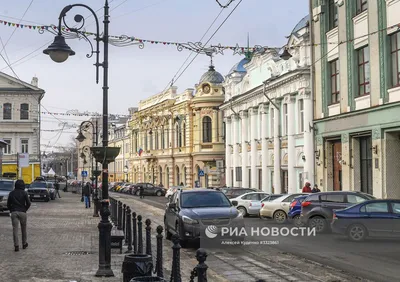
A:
{"x":279,"y":199}
{"x":6,"y":185}
{"x":38,"y":185}
{"x":204,"y":200}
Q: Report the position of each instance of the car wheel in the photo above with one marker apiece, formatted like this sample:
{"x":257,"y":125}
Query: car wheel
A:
{"x":242,"y":210}
{"x":280,"y":217}
{"x":319,"y":223}
{"x":357,"y":232}
{"x":297,"y":221}
{"x":137,"y":193}
{"x":178,"y":232}
{"x":158,"y":193}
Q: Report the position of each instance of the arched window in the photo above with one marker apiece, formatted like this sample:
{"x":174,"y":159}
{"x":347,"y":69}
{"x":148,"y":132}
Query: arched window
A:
{"x":7,"y":112}
{"x":156,"y":139}
{"x":178,"y":136}
{"x":207,"y":129}
{"x":177,"y":176}
{"x":184,"y":135}
{"x":24,"y":111}
{"x":162,"y":138}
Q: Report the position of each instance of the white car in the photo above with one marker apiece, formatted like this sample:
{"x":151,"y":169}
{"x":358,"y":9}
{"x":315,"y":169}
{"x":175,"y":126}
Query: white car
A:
{"x":171,"y":191}
{"x":255,"y":206}
{"x":244,"y":201}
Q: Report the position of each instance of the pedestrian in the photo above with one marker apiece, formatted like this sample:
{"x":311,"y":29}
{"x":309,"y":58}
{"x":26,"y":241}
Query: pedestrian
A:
{"x":307,"y":188}
{"x":315,"y":189}
{"x":161,"y":185}
{"x":57,"y":186}
{"x":87,"y":191}
{"x":141,"y":192}
{"x":18,"y":204}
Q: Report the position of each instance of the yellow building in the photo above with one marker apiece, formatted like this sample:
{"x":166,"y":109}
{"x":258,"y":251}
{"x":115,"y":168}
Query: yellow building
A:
{"x":178,"y":138}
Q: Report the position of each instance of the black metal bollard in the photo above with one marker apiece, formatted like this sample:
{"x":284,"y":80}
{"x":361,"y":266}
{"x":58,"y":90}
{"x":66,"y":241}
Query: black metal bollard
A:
{"x":159,"y":260}
{"x":201,"y":268}
{"x":129,"y":229}
{"x":119,"y":215}
{"x":116,"y":212}
{"x":127,"y":240}
{"x":148,"y":237}
{"x":134,"y":232}
{"x":176,"y":260}
{"x":140,"y":234}
{"x":123,"y":219}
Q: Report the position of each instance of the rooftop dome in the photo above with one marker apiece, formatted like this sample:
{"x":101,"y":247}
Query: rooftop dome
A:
{"x":239,"y":67}
{"x":301,"y":24}
{"x":212,"y":76}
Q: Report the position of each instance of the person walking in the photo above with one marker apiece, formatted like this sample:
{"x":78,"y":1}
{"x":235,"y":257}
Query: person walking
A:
{"x":141,"y":192}
{"x":87,"y":191}
{"x":18,"y":204}
{"x":315,"y":189}
{"x":57,"y":187}
{"x":307,"y":188}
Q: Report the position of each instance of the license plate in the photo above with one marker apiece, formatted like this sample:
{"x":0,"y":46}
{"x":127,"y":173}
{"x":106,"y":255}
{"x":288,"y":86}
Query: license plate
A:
{"x":36,"y":196}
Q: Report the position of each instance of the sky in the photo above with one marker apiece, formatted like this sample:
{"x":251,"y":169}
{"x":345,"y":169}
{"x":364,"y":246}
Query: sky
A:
{"x":134,"y":74}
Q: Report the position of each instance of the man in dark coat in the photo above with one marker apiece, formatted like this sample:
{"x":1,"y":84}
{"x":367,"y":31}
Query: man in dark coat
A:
{"x":141,"y":192}
{"x":18,"y":204}
{"x":315,"y":189}
{"x":86,"y":193}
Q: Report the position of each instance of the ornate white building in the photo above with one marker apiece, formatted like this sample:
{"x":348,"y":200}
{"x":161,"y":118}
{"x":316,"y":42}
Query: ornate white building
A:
{"x":268,"y":118}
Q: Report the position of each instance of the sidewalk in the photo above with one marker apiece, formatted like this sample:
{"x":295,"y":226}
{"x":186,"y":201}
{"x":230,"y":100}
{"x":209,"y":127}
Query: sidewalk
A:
{"x":57,"y":232}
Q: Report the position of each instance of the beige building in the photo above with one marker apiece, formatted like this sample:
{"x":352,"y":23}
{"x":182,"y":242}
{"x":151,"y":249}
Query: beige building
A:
{"x":357,"y":95}
{"x":177,"y":137}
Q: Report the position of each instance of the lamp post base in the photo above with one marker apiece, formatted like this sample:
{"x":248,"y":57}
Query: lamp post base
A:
{"x":105,"y":227}
{"x":95,"y":206}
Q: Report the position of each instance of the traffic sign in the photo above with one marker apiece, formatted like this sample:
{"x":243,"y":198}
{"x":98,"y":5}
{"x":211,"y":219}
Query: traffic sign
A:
{"x":84,"y":173}
{"x":201,"y":173}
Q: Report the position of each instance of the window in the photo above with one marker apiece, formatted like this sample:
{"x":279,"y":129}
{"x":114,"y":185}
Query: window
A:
{"x":312,"y":198}
{"x":252,"y":197}
{"x":354,"y":199}
{"x":136,"y":142}
{"x":301,"y":119}
{"x":285,"y":118}
{"x":184,"y":135}
{"x":162,"y":138}
{"x":156,"y":139}
{"x":7,"y":112}
{"x":333,"y":198}
{"x":333,"y":14}
{"x":238,"y":173}
{"x":24,"y":145}
{"x":335,"y":87}
{"x":363,"y":71}
{"x":375,"y":207}
{"x":395,"y":58}
{"x":7,"y":149}
{"x":167,"y":134}
{"x":151,"y":147}
{"x":207,"y":129}
{"x":396,"y":208}
{"x":272,"y":122}
{"x":362,"y":5}
{"x":145,"y":141}
{"x":366,"y":164}
{"x":178,"y":136}
{"x":24,"y":115}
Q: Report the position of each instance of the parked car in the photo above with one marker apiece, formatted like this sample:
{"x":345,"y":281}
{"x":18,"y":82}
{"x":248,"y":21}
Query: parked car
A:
{"x":148,"y":190}
{"x":278,"y":209}
{"x":233,"y":192}
{"x":295,"y":210}
{"x":6,"y":186}
{"x":372,"y":218}
{"x":39,"y":191}
{"x":255,"y":206}
{"x":191,"y":211}
{"x":245,"y":200}
{"x":317,"y":209}
{"x":171,"y":190}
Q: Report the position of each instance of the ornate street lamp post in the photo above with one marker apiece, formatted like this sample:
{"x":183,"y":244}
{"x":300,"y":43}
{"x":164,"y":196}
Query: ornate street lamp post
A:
{"x":84,"y":127}
{"x":59,"y":51}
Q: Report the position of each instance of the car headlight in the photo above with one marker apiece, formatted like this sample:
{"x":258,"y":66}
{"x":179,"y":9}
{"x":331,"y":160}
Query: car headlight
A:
{"x":188,"y":220}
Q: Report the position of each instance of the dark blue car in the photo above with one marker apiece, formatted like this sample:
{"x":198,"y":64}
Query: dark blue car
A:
{"x":374,"y":218}
{"x":295,"y":210}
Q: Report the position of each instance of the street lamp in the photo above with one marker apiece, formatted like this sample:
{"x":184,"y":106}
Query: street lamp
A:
{"x":84,"y":127}
{"x":285,"y":55}
{"x":59,"y":51}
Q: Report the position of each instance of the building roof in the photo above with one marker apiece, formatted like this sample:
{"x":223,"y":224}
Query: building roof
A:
{"x":301,"y":24}
{"x":239,"y":67}
{"x":212,"y":76}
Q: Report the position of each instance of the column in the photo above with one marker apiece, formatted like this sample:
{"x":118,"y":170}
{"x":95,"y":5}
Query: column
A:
{"x":245,"y":155}
{"x":236,"y":164}
{"x":253,"y":133}
{"x":220,"y":130}
{"x":228,"y":155}
{"x":277,"y":151}
{"x":171,"y":133}
{"x":291,"y":146}
{"x":215,"y":126}
{"x":266,"y":187}
{"x":308,"y":140}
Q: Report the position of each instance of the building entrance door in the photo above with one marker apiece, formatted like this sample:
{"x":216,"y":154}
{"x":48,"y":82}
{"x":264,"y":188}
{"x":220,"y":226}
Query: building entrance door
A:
{"x":260,"y":179}
{"x":337,"y":165}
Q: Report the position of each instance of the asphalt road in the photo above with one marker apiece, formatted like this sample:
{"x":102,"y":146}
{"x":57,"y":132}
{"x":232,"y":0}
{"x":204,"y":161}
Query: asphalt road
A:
{"x":375,"y":259}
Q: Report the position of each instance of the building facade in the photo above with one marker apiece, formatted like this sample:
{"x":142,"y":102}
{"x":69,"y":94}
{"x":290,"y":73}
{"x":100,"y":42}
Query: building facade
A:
{"x":268,"y":113}
{"x":20,"y":126}
{"x":177,"y":138}
{"x":357,"y":95}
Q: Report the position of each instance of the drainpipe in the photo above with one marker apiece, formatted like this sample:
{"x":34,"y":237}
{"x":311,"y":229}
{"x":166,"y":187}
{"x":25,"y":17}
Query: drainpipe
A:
{"x":312,"y":88}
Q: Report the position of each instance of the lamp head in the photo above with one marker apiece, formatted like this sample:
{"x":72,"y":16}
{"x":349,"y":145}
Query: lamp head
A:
{"x":286,"y":55}
{"x":80,"y":137}
{"x":59,"y":51}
